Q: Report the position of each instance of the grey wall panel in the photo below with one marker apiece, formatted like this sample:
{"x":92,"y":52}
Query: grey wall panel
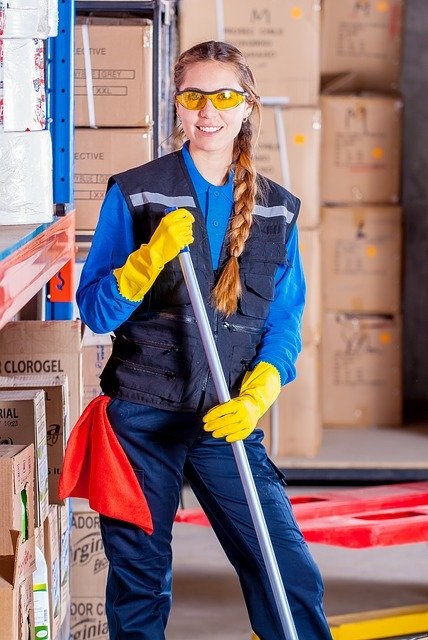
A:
{"x":415,"y":203}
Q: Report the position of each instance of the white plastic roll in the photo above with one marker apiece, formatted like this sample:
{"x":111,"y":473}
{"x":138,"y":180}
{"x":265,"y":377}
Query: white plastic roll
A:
{"x":29,"y":18}
{"x":23,"y":78}
{"x":26,"y":193}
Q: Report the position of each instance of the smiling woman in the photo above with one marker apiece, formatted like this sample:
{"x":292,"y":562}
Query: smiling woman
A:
{"x":211,"y":117}
{"x":160,"y":400}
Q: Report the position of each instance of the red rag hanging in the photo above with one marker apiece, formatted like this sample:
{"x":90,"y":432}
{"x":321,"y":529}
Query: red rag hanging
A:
{"x":96,"y":467}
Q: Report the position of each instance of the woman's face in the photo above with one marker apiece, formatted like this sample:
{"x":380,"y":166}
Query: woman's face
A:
{"x":210,"y":129}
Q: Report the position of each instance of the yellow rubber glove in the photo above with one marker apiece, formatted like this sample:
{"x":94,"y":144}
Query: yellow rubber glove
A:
{"x":237,"y":418}
{"x":143,"y":266}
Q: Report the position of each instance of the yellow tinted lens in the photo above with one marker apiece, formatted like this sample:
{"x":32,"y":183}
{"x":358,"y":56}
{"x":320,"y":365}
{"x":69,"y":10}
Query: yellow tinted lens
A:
{"x":227,"y":99}
{"x":192,"y":99}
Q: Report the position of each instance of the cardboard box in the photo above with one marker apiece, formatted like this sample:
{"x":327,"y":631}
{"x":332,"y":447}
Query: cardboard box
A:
{"x":64,"y":516}
{"x":310,"y":251}
{"x":121,"y":76}
{"x":293,"y":426}
{"x":89,"y":564}
{"x":361,"y":149}
{"x":279,"y":38}
{"x":361,"y":370}
{"x":88,"y":618}
{"x":53,"y":562}
{"x":45,"y":347}
{"x":96,"y":351}
{"x":39,"y":535}
{"x":364,"y":38}
{"x":57,"y":419}
{"x":16,"y":602}
{"x":362,"y":263}
{"x":23,"y":421}
{"x":17,"y":508}
{"x":98,"y":154}
{"x":288,"y":152}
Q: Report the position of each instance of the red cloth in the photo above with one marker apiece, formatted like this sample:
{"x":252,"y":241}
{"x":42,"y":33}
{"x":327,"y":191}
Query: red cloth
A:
{"x":96,"y":467}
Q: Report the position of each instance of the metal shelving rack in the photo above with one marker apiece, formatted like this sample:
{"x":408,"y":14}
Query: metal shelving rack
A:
{"x":32,"y":256}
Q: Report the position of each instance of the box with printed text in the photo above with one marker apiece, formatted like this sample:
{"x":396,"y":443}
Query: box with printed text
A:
{"x":23,"y":421}
{"x":57,"y":418}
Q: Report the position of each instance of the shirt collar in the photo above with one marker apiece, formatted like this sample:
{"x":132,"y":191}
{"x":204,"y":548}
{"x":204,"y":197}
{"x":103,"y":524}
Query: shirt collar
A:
{"x":199,"y":182}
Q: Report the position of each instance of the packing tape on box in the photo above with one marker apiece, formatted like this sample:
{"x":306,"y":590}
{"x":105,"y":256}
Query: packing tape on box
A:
{"x":219,"y":6}
{"x":278,"y":103}
{"x":88,"y":76}
{"x":282,"y":145}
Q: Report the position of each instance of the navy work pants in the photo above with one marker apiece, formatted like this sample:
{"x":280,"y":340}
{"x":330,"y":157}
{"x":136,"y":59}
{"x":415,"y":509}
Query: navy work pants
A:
{"x":162,"y":446}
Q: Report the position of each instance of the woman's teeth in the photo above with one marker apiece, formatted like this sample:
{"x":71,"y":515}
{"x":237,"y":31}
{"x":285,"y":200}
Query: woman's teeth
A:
{"x":209,"y":129}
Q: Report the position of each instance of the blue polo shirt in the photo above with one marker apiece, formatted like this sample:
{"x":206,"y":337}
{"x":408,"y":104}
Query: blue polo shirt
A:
{"x":215,"y":202}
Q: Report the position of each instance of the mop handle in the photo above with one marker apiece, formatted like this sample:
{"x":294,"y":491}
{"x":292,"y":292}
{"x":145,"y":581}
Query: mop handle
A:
{"x":238,"y":448}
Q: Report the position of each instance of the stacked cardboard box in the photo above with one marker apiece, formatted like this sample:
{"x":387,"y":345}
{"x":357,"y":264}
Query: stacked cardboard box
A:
{"x":40,"y":389}
{"x":361,"y":239}
{"x":113,"y":106}
{"x":88,"y":574}
{"x":328,"y":91}
{"x":17,"y":541}
{"x":56,"y":400}
{"x":96,"y":349}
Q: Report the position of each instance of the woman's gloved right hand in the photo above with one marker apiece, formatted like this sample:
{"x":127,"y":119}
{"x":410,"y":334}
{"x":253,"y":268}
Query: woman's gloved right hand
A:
{"x":142,"y":267}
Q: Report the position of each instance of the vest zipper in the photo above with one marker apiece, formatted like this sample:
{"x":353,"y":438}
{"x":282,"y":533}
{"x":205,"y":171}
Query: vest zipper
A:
{"x":170,"y":375}
{"x":239,"y":327}
{"x":172,"y":316}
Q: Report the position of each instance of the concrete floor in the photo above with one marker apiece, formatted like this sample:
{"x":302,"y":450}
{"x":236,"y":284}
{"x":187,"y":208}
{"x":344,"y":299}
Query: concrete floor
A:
{"x":207,"y":600}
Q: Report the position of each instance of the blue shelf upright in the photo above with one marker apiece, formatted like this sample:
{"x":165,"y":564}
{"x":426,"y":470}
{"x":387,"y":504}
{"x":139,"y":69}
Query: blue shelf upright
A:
{"x":60,"y":122}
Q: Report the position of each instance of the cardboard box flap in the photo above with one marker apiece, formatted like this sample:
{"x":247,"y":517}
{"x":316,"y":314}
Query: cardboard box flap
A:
{"x":66,"y":335}
{"x":113,"y":19}
{"x":93,"y":339}
{"x":22,"y":472}
{"x":332,"y":83}
{"x":346,"y":83}
{"x":38,"y":380}
{"x":9,"y":564}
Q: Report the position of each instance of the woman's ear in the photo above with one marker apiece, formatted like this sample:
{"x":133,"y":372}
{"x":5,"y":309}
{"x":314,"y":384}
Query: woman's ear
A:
{"x":248,"y":110}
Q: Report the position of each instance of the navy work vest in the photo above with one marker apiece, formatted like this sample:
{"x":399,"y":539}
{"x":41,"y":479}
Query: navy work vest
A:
{"x":158,"y":358}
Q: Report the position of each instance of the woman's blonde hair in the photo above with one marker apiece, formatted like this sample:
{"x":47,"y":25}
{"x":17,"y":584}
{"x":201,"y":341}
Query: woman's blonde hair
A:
{"x":227,"y":290}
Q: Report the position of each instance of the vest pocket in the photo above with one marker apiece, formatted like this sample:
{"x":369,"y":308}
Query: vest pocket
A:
{"x":257,"y":295}
{"x":155,"y":369}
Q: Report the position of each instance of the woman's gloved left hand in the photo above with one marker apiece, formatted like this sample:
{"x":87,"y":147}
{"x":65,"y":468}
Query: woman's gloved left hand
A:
{"x":237,"y":418}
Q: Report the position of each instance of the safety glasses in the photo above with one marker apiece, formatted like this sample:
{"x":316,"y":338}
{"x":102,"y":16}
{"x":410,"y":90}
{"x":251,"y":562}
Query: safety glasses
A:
{"x":222,"y":99}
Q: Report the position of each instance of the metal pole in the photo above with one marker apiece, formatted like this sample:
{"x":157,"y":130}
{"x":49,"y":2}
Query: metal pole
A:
{"x":238,"y":448}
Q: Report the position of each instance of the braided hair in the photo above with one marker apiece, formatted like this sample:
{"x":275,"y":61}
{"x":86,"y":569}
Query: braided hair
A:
{"x":227,"y":290}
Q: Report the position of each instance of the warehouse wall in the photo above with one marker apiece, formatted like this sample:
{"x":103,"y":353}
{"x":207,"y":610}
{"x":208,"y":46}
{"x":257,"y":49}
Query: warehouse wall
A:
{"x":415,"y":203}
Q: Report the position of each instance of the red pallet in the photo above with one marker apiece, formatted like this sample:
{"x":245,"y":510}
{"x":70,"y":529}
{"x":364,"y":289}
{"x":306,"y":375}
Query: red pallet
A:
{"x":355,"y":518}
{"x":337,"y":502}
{"x":192,"y":516}
{"x":370,"y":528}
